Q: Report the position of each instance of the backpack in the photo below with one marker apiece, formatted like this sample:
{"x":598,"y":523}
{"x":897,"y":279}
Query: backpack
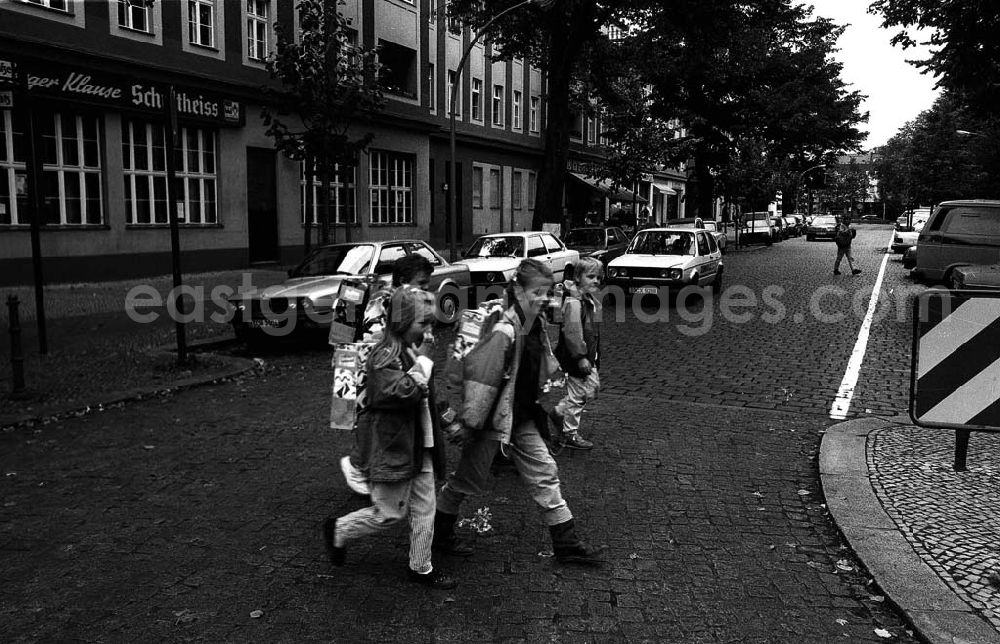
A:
{"x":843,"y":235}
{"x":473,"y":325}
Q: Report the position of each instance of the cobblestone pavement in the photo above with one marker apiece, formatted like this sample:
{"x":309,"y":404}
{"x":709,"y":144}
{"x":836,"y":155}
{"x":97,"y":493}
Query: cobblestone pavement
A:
{"x":177,"y":517}
{"x":950,"y":518}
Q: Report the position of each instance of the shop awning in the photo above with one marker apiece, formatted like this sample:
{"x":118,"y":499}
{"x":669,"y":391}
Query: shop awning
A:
{"x":664,"y":188}
{"x":604,"y":187}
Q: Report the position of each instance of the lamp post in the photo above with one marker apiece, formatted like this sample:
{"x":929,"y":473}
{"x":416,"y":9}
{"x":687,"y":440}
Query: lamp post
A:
{"x":809,"y":203}
{"x":452,"y":215}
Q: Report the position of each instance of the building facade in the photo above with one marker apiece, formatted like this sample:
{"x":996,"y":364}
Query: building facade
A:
{"x":98,"y":77}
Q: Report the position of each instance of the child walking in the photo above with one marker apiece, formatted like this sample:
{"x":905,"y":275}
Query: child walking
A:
{"x":578,"y":352}
{"x":843,"y":236}
{"x":405,"y":447}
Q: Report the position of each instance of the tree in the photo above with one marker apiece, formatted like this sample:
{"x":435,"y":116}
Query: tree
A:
{"x":327,"y":84}
{"x":965,"y":50}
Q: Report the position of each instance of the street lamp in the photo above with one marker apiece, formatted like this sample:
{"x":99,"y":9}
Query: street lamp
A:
{"x":809,"y":204}
{"x":453,"y":216}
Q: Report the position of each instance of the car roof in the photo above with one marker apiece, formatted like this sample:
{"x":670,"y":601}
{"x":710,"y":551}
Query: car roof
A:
{"x":378,"y":242}
{"x":517,"y":233}
{"x":972,"y":202}
{"x":672,"y":229}
{"x":592,"y":228}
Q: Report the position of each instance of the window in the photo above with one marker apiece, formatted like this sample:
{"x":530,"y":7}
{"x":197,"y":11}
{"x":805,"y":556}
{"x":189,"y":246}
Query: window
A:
{"x":391,"y":179}
{"x":257,"y":26}
{"x":399,"y":69}
{"x":13,"y":191}
{"x":702,"y":244}
{"x":71,"y":176}
{"x":591,"y":130}
{"x":535,"y":247}
{"x":494,"y":188}
{"x":516,"y":185}
{"x":426,"y":253}
{"x":533,"y":115}
{"x":452,"y":79}
{"x":498,"y":105}
{"x":477,"y":187}
{"x":144,"y":158}
{"x":516,"y":117}
{"x":531,"y":190}
{"x":61,"y":5}
{"x":432,"y":87}
{"x":552,"y":244}
{"x":343,"y":195}
{"x":477,"y":99}
{"x":576,"y":129}
{"x":133,"y":16}
{"x":387,"y":258}
{"x":201,"y":22}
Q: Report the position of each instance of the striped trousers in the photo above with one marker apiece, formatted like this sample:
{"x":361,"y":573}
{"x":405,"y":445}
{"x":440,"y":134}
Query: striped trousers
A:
{"x":394,"y":503}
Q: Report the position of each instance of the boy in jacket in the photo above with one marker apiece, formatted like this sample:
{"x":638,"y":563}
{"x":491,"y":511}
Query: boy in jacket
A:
{"x":504,"y":374}
{"x":405,"y":444}
{"x":578,"y":352}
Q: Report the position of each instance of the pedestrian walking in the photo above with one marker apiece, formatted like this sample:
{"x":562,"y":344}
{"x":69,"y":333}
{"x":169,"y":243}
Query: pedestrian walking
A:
{"x":501,"y":412}
{"x":843,"y":236}
{"x":578,"y":352}
{"x":405,"y":443}
{"x":410,"y":270}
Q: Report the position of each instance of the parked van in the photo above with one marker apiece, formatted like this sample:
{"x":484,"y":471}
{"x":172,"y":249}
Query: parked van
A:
{"x":958,"y":233}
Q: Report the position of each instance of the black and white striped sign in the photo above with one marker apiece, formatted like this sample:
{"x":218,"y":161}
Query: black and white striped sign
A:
{"x":955,"y":380}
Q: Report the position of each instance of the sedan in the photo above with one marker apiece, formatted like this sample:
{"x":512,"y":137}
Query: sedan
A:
{"x":670,"y":258}
{"x":603,"y":243}
{"x":903,"y":239}
{"x":492,"y":259}
{"x":822,"y":227}
{"x":308,"y":298}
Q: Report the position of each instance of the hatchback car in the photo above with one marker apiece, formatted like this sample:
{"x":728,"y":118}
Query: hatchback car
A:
{"x":600,"y":242}
{"x":822,"y":227}
{"x":307,"y":299}
{"x":492,"y":259}
{"x":668,"y":257}
{"x":958,"y":233}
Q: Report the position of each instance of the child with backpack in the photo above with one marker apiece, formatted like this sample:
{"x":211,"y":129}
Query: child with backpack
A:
{"x":578,"y":351}
{"x":842,"y":236}
{"x":405,"y":443}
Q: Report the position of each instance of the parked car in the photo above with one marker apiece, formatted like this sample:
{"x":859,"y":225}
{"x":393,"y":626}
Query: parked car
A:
{"x":668,"y":257}
{"x":780,"y":228}
{"x":757,"y":227}
{"x":903,"y":239}
{"x":909,"y":219}
{"x":492,"y":259}
{"x":307,"y":299}
{"x":958,"y":233}
{"x":709,"y":225}
{"x":872,"y":219}
{"x":793,"y":226}
{"x":910,"y":257}
{"x":600,"y":242}
{"x":822,"y":227}
{"x":976,"y":277}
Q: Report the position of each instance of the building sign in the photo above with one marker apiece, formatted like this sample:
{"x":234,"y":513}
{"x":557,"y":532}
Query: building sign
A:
{"x":6,"y":98}
{"x":108,"y":90}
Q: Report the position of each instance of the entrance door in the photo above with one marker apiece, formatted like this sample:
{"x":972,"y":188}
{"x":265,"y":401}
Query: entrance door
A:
{"x":262,"y":206}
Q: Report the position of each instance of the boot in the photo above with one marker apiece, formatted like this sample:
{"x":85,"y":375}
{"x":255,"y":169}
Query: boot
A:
{"x":569,"y":548}
{"x":445,"y":539}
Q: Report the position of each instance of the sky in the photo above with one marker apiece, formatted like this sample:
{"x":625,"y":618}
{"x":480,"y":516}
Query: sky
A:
{"x":897,"y":91}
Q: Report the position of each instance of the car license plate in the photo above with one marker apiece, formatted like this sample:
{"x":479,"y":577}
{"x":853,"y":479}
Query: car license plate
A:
{"x":643,"y":290}
{"x":258,"y":324}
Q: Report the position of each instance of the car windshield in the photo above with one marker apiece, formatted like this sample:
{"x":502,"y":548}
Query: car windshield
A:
{"x":663,"y":242}
{"x":710,"y":225}
{"x":336,"y":260}
{"x":824,"y":221}
{"x":585,"y":237}
{"x":497,"y":247}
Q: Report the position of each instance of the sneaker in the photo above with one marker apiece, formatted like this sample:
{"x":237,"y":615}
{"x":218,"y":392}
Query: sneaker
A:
{"x":575,"y":441}
{"x":337,"y":555}
{"x":855,"y":271}
{"x":836,"y":272}
{"x":435,"y":579}
{"x":355,"y":478}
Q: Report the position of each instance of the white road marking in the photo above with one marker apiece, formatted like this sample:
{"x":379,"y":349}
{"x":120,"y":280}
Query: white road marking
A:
{"x":842,"y":403}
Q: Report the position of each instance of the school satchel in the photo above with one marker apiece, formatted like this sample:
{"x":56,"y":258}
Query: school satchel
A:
{"x":348,"y":394}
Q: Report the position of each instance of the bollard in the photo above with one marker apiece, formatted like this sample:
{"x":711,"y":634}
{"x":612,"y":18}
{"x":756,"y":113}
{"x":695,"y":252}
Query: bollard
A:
{"x":16,"y":355}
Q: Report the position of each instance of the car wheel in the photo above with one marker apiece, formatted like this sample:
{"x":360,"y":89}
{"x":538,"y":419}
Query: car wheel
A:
{"x":449,"y":309}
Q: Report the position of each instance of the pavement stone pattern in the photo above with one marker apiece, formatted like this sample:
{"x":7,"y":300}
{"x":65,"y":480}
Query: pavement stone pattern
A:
{"x":177,"y":517}
{"x":950,"y":518}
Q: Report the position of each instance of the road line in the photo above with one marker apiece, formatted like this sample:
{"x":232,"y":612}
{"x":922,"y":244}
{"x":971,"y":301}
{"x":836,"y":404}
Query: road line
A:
{"x":842,"y":403}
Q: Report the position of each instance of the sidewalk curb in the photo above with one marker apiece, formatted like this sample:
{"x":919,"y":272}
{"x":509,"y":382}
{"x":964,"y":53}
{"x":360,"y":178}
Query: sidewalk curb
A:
{"x":238,"y":367}
{"x":934,"y":611}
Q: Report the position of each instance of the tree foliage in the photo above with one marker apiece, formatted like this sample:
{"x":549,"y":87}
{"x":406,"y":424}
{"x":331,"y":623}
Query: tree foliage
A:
{"x":326,"y":84}
{"x":965,"y":50}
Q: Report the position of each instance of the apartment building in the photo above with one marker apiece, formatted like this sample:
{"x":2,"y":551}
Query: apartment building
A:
{"x":100,"y":73}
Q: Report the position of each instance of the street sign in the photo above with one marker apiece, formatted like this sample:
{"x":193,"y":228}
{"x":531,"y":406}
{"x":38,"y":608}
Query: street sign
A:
{"x":6,"y":99}
{"x":955,"y":375}
{"x":6,"y":70}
